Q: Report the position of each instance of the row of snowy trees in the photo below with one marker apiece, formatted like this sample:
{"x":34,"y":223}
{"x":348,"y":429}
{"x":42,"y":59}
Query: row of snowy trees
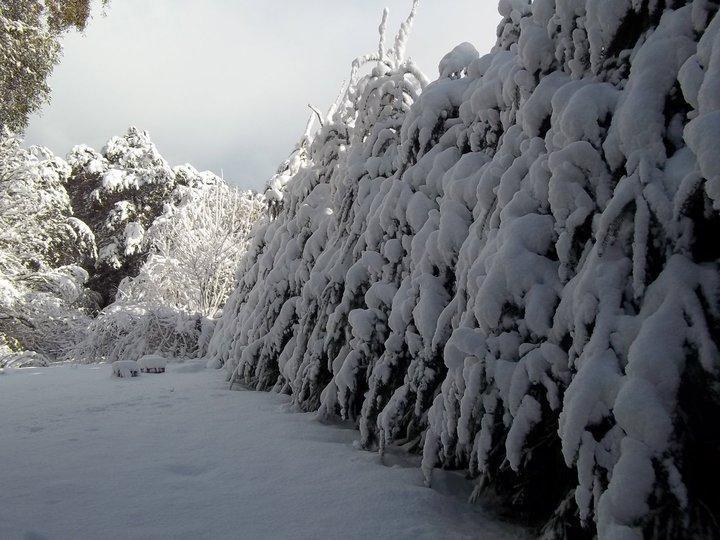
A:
{"x":513,"y":268}
{"x":72,"y":232}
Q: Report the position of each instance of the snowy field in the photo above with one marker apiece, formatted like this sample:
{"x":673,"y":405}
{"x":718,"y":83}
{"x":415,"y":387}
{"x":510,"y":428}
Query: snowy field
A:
{"x":177,"y":455}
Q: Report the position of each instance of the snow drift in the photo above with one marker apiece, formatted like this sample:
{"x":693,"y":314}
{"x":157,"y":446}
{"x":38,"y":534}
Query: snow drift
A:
{"x":512,"y":268}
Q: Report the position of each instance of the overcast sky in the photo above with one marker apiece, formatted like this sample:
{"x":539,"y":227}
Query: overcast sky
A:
{"x":224,"y":84}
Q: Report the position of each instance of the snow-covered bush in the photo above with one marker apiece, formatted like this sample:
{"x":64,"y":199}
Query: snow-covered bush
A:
{"x":45,"y":312}
{"x":130,"y":331}
{"x":11,"y":355}
{"x":513,"y":267}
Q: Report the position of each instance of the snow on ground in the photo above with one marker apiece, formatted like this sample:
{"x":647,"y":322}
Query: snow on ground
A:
{"x":178,"y":455}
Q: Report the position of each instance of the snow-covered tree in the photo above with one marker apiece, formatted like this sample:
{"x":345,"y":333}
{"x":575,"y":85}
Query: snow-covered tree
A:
{"x":513,"y":266}
{"x":37,"y":222}
{"x":195,"y":248}
{"x":119,"y":193}
{"x":44,"y":305}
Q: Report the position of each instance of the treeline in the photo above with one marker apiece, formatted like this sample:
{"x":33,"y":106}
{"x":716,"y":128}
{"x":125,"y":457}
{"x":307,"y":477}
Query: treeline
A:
{"x":512,"y":269}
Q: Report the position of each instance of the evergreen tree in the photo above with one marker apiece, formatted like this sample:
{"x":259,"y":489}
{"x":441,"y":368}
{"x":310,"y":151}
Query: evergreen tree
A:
{"x":30,"y":32}
{"x":119,"y":193}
